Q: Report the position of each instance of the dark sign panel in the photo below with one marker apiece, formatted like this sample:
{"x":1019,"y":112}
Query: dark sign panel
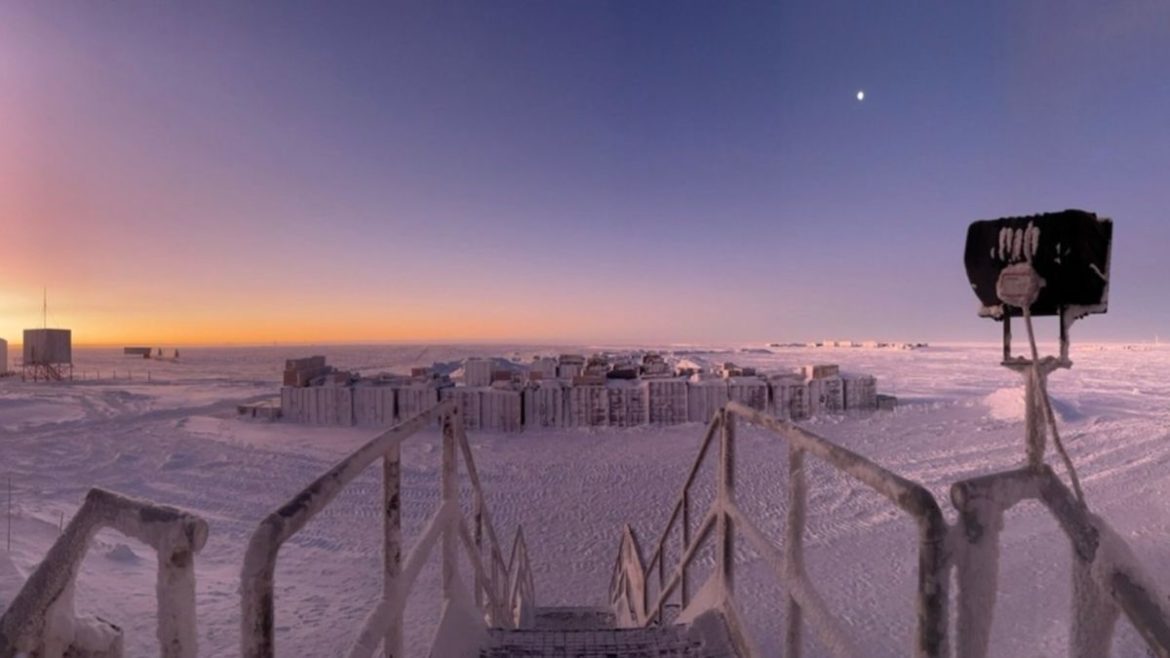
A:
{"x":1069,"y":251}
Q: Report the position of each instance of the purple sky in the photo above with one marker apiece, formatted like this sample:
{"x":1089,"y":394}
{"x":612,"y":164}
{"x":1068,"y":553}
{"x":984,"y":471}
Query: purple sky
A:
{"x":562,"y":171}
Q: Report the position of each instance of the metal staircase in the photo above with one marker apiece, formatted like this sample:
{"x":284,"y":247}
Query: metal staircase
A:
{"x":653,"y":610}
{"x":592,"y":633}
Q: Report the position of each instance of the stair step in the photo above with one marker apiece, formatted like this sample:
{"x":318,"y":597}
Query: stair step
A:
{"x":546,"y":641}
{"x":614,"y":643}
{"x":574,"y":619}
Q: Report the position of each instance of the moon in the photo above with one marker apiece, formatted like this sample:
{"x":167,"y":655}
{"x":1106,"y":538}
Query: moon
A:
{"x":860,"y":95}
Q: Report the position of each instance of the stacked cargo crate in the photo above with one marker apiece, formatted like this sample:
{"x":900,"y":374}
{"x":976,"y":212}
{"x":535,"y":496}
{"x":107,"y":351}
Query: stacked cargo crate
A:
{"x":789,"y":397}
{"x":373,"y":406}
{"x":749,"y":391}
{"x":668,"y":400}
{"x":826,"y":392}
{"x":588,"y":402}
{"x":501,"y":410}
{"x":545,"y":404}
{"x":628,"y":402}
{"x":705,"y":397}
{"x":860,"y":392}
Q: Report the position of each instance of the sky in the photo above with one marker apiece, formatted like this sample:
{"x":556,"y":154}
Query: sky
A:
{"x":640,"y":172}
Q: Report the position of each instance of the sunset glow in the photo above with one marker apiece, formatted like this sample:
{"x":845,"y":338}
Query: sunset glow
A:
{"x":257,"y":174}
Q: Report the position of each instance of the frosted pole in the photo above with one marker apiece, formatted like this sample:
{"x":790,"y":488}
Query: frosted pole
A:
{"x":392,"y":544}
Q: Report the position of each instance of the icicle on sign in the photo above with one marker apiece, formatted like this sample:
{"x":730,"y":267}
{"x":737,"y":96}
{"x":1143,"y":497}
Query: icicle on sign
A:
{"x":1068,"y":250}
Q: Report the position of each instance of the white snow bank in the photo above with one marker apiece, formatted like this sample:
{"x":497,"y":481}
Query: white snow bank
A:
{"x":1007,"y":404}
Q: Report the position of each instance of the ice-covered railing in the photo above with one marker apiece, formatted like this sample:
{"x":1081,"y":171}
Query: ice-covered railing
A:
{"x":503,"y":592}
{"x":1106,"y":578}
{"x":723,"y":522}
{"x":41,"y":622}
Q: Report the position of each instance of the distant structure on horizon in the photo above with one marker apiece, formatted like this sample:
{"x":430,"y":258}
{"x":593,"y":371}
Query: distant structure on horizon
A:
{"x":47,"y":354}
{"x":3,"y":357}
{"x":569,"y":390}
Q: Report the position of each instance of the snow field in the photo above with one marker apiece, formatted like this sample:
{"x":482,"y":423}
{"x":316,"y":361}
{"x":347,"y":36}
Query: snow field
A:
{"x":176,"y":441}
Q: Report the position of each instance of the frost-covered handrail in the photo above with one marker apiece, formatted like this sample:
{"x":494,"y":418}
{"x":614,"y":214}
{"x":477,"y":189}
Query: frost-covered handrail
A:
{"x":724,"y":521}
{"x":930,"y":637}
{"x":627,"y":585}
{"x":521,"y":589}
{"x":1106,"y":578}
{"x":47,"y":596}
{"x":504,"y":591}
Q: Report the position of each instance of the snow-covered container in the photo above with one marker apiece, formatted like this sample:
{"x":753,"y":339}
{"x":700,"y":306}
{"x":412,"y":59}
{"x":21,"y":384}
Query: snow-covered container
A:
{"x":47,"y":346}
{"x":477,"y":372}
{"x":629,"y":402}
{"x":468,"y":399}
{"x":415,"y":397}
{"x":570,"y":365}
{"x":545,"y":404}
{"x":318,"y":405}
{"x":546,"y":366}
{"x":818,"y":371}
{"x":704,"y":398}
{"x":789,"y":397}
{"x":588,"y":404}
{"x":668,"y":401}
{"x":826,"y":395}
{"x":373,"y":406}
{"x":860,"y":392}
{"x":501,"y":410}
{"x":749,"y":391}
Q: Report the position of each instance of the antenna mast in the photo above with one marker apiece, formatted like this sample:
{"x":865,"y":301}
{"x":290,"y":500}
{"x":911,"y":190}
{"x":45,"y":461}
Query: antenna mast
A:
{"x":45,"y":309}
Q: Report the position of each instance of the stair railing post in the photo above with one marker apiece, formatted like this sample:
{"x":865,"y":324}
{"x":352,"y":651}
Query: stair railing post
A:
{"x":392,"y":544}
{"x":726,"y":547}
{"x":794,"y":554}
{"x":480,"y":586}
{"x":685,"y":584}
{"x":450,"y":500}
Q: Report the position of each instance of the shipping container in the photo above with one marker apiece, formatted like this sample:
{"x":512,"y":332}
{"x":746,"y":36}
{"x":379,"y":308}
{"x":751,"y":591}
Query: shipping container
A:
{"x":860,"y":392}
{"x":588,"y":405}
{"x":705,"y":397}
{"x":668,"y":401}
{"x":749,"y":391}
{"x":826,"y":396}
{"x":414,"y":398}
{"x":373,"y":406}
{"x":819,"y":370}
{"x":547,"y":367}
{"x":628,"y":402}
{"x":477,"y":372}
{"x":546,"y":404}
{"x":468,"y":399}
{"x":46,"y":347}
{"x":501,"y":410}
{"x":789,"y":397}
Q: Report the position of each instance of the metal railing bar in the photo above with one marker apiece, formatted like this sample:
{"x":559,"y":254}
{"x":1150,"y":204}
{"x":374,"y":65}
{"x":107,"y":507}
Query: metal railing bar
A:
{"x":798,"y":588}
{"x":908,"y":496}
{"x":737,"y":631}
{"x":794,"y":548}
{"x":705,"y":529}
{"x":1143,"y":612}
{"x":629,"y":560}
{"x":373,"y":630}
{"x":914,"y":499}
{"x":494,"y":605}
{"x":174,"y":535}
{"x":477,"y":487}
{"x":708,"y":438}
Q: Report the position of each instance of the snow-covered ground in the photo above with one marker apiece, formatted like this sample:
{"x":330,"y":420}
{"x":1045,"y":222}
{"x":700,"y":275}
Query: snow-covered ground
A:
{"x":174,"y":439}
